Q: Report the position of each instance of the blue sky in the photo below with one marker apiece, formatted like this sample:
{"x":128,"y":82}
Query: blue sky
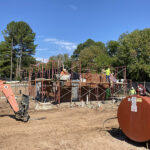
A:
{"x":60,"y":25}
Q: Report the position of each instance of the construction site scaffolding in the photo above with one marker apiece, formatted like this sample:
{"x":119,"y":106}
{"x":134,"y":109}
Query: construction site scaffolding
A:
{"x":45,"y":83}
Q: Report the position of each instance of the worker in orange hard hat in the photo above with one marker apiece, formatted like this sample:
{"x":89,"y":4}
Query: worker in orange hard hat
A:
{"x":64,"y":72}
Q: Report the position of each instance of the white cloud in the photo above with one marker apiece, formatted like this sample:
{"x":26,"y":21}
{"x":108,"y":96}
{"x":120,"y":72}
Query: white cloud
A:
{"x":73,"y":7}
{"x":45,"y":60}
{"x":70,"y":46}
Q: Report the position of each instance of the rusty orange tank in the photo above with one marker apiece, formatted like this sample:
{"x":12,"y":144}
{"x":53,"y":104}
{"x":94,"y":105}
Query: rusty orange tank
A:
{"x":134,"y":117}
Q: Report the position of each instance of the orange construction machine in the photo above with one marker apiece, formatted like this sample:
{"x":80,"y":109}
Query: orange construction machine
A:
{"x":21,"y":110}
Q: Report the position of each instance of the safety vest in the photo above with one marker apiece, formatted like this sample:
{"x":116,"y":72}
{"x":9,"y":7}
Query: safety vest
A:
{"x":108,"y":72}
{"x":132,"y":92}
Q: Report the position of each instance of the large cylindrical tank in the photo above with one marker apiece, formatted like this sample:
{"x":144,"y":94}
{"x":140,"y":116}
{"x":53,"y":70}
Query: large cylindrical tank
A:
{"x":134,"y":117}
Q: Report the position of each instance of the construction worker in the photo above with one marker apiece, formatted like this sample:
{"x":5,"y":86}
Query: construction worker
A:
{"x":108,"y":74}
{"x":141,"y":90}
{"x":132,"y":91}
{"x":64,"y":72}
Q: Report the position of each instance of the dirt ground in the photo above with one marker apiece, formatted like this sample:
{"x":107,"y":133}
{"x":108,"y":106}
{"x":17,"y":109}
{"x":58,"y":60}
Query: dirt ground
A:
{"x":64,"y":129}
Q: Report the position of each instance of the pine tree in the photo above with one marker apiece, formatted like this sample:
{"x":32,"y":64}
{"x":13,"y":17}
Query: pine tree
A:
{"x":20,"y":38}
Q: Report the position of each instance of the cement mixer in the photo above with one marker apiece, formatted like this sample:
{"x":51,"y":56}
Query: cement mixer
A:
{"x":134,"y":117}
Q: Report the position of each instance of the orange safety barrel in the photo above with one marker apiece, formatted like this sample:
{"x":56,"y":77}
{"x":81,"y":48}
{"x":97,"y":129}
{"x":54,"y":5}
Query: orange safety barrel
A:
{"x":134,"y":117}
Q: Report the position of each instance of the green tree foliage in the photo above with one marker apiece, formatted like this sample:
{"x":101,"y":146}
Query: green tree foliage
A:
{"x":27,"y":60}
{"x":64,"y":59}
{"x":81,"y":46}
{"x":134,"y":52}
{"x":131,"y":50}
{"x":94,"y":57}
{"x":4,"y":60}
{"x":112,"y":48}
{"x":104,"y":60}
{"x":19,"y":37}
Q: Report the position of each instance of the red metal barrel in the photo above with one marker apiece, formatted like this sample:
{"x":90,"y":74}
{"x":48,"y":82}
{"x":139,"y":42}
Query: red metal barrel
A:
{"x":134,"y":117}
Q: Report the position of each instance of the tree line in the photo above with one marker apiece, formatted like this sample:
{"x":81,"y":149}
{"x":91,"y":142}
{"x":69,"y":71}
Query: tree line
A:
{"x":131,"y":50}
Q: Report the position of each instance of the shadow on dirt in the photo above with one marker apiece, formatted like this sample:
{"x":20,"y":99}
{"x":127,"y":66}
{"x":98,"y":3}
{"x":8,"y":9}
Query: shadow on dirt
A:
{"x":11,"y":116}
{"x":118,"y":134}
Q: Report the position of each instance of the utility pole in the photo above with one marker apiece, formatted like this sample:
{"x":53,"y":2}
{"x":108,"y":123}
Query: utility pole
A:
{"x":11,"y":60}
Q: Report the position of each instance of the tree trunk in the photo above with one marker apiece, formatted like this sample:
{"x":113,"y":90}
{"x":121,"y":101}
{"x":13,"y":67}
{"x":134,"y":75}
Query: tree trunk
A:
{"x":20,"y":62}
{"x":17,"y":69}
{"x":11,"y":60}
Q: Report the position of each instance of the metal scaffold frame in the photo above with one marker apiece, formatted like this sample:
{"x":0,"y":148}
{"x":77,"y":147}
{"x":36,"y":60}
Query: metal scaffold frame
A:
{"x":54,"y":89}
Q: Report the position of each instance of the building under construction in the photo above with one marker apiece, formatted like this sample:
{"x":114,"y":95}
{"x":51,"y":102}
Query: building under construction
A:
{"x":47,"y":84}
